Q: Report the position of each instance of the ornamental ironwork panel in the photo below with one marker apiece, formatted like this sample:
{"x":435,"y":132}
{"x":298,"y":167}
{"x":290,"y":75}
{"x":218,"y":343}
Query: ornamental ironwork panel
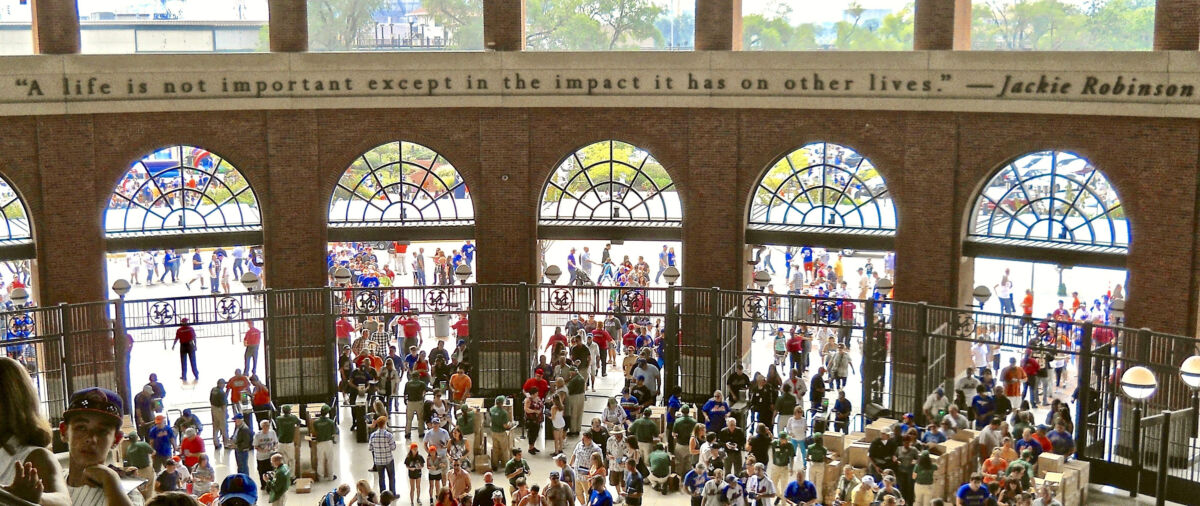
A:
{"x":610,"y":181}
{"x":1051,"y":198}
{"x":401,"y":182}
{"x":181,"y":189}
{"x":823,"y":185}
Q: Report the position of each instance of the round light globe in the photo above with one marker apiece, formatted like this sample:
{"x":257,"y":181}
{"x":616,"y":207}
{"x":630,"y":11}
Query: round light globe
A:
{"x":1138,"y":383}
{"x":1190,"y":371}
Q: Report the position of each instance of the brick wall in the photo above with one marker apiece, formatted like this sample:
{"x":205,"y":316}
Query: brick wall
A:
{"x":933,"y":162}
{"x":1177,"y":25}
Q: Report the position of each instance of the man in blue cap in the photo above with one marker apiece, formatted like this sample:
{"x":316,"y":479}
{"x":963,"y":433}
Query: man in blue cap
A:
{"x":243,"y":442}
{"x":92,"y":427}
{"x":238,"y":490}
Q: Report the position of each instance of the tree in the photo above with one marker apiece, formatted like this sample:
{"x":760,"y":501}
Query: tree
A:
{"x":1057,"y":25}
{"x":561,"y":25}
{"x":462,"y":19}
{"x":626,"y":21}
{"x":336,"y":25}
{"x":776,"y":34}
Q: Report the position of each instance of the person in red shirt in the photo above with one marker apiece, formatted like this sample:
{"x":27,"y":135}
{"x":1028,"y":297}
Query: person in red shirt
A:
{"x":795,"y":345}
{"x":400,"y":304}
{"x":462,"y":329}
{"x":538,"y":382}
{"x":342,"y":329}
{"x":602,"y":339}
{"x":185,"y":337}
{"x":191,"y":447}
{"x":558,"y":337}
{"x":251,"y":340}
{"x":236,"y":385}
{"x":412,"y":331}
{"x":629,"y":339}
{"x":1031,"y":368}
{"x":261,"y":400}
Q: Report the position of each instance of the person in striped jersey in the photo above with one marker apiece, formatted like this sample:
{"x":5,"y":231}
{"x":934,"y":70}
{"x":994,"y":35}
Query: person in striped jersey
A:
{"x":92,"y":428}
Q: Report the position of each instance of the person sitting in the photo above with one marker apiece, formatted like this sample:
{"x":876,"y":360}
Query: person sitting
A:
{"x":882,"y":454}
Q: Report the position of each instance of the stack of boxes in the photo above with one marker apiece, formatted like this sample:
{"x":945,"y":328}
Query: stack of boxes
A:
{"x":1069,"y":479}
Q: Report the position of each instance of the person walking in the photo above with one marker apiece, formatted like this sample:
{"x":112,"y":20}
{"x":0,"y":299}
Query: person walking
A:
{"x":382,"y":445}
{"x":251,"y":341}
{"x":185,"y":337}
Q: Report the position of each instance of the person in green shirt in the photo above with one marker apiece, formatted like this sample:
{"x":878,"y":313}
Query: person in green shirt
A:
{"x":516,"y":468}
{"x":500,"y":423}
{"x":923,"y":478}
{"x":285,"y":429}
{"x":414,"y":402}
{"x":681,"y":433}
{"x":218,"y":403}
{"x":466,"y":424}
{"x":280,"y":480}
{"x":660,"y":467}
{"x":785,"y":405}
{"x":645,"y":430}
{"x":137,"y":456}
{"x":324,"y":430}
{"x":1022,"y":468}
{"x":782,"y":455}
{"x":817,"y":456}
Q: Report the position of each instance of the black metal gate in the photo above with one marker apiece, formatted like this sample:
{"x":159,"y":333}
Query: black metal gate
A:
{"x":300,"y":354}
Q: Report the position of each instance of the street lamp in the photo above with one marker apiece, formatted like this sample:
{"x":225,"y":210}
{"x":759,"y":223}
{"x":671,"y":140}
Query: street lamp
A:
{"x":462,"y":272}
{"x":250,"y":280}
{"x":671,"y":275}
{"x":1138,"y":383}
{"x":1189,"y":372}
{"x":19,"y":297}
{"x":1117,"y":310}
{"x":553,"y":272}
{"x":762,"y":279}
{"x":981,"y":295}
{"x":1062,"y":287}
{"x":341,"y":276}
{"x":121,"y":288}
{"x":883,"y":287}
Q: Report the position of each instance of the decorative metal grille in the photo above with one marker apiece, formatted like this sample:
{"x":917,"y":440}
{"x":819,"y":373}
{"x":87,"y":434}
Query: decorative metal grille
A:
{"x":610,"y":181}
{"x":823,"y":185}
{"x":1053,"y":197}
{"x":16,"y":216}
{"x":181,"y":189}
{"x":401,"y":182}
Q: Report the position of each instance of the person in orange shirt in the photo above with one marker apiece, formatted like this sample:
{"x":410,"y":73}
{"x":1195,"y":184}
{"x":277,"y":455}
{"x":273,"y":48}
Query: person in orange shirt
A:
{"x":460,"y":385}
{"x":1027,"y":310}
{"x":1013,"y":376}
{"x":251,"y":340}
{"x":261,"y":400}
{"x":236,"y":385}
{"x":993,"y":468}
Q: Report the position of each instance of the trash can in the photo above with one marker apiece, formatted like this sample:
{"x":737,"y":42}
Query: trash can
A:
{"x":441,"y":326}
{"x":359,"y":413}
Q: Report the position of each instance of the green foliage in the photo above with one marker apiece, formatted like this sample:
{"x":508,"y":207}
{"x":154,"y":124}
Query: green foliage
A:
{"x":1046,"y":25}
{"x":592,"y":25}
{"x":334,"y":25}
{"x":602,"y":165}
{"x":773,"y":32}
{"x":462,"y":19}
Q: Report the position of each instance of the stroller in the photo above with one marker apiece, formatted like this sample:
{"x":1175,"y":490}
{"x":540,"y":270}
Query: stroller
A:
{"x":580,"y":278}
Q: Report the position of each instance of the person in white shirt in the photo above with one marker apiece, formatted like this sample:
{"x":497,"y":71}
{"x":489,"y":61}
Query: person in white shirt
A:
{"x":759,"y":487}
{"x":265,"y":443}
{"x":797,"y":426}
{"x":92,"y":428}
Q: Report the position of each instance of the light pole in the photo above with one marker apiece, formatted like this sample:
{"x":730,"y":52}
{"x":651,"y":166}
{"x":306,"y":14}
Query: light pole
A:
{"x":121,"y":287}
{"x":671,"y":337}
{"x":1189,"y":372}
{"x":552,"y":273}
{"x":341,"y":276}
{"x":883,"y":287}
{"x":250,"y":280}
{"x":1138,"y":383}
{"x":19,"y":297}
{"x":1062,"y":287}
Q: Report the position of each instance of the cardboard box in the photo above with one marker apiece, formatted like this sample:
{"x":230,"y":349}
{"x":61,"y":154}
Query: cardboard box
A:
{"x":304,"y":486}
{"x":483,"y":464}
{"x":834,"y":442}
{"x":856,"y":454}
{"x":966,"y":435}
{"x":1049,"y":463}
{"x":1084,"y":469}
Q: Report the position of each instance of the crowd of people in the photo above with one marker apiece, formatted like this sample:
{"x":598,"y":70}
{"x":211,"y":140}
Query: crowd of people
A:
{"x":221,"y":272}
{"x":372,"y":267}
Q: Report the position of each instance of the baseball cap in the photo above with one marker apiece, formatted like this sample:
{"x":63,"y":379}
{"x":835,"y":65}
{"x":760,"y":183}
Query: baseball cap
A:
{"x":159,"y":418}
{"x":238,"y":416}
{"x":238,"y":486}
{"x":95,"y":400}
{"x":868,"y":481}
{"x":554,"y":475}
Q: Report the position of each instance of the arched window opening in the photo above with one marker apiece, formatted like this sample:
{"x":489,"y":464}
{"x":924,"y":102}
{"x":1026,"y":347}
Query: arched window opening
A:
{"x":611,"y":183}
{"x":401,"y":184}
{"x":181,"y":190}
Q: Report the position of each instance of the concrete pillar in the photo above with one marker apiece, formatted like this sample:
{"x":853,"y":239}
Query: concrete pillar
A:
{"x":942,"y":24}
{"x":289,"y":26}
{"x":294,"y":231}
{"x":55,"y":27}
{"x":718,"y":25}
{"x":504,"y":25}
{"x":1176,"y":25}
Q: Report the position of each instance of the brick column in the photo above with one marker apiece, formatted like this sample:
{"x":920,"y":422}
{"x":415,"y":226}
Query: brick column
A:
{"x":505,"y":215}
{"x":504,"y":25}
{"x":70,"y":239}
{"x":714,"y":228}
{"x":55,"y":27}
{"x":928,"y":239}
{"x":1176,"y":25}
{"x":289,"y":26}
{"x":718,"y":25}
{"x":942,"y":24}
{"x":294,"y":213}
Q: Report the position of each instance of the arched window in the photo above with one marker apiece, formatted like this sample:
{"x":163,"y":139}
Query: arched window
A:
{"x":181,"y":190}
{"x":16,"y":217}
{"x":822,"y":188}
{"x":610,"y":183}
{"x":1050,"y":199}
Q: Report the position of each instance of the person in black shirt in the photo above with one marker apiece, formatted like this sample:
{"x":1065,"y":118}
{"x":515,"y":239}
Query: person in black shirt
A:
{"x":737,"y":382}
{"x":579,"y":351}
{"x":760,"y":444}
{"x":816,"y":389}
{"x":483,"y":495}
{"x":882,"y":454}
{"x":733,"y":438}
{"x":642,"y":392}
{"x":762,"y":399}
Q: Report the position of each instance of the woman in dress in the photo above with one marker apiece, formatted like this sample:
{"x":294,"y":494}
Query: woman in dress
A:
{"x":24,"y":438}
{"x":416,"y":465}
{"x":559,"y":422}
{"x":458,"y":448}
{"x":695,"y":442}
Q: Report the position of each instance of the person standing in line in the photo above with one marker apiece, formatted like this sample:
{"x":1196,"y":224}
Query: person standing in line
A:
{"x":278,"y":480}
{"x":243,"y":442}
{"x":382,"y":445}
{"x":325,"y":432}
{"x":214,"y":273}
{"x":251,"y":340}
{"x":185,"y":337}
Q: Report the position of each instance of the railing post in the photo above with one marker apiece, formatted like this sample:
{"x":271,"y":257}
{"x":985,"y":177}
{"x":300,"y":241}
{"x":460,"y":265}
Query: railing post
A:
{"x":121,"y":348}
{"x":331,"y":316}
{"x":1164,"y":447}
{"x":1136,"y":446}
{"x":714,"y":374}
{"x":671,"y":329}
{"x":1083,"y":402}
{"x":525,"y":337}
{"x":267,"y":324}
{"x":868,"y":366}
{"x":922,"y":368}
{"x":68,"y":356}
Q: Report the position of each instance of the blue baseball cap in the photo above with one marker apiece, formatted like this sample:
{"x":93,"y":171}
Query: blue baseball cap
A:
{"x":95,"y":400}
{"x":238,"y":486}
